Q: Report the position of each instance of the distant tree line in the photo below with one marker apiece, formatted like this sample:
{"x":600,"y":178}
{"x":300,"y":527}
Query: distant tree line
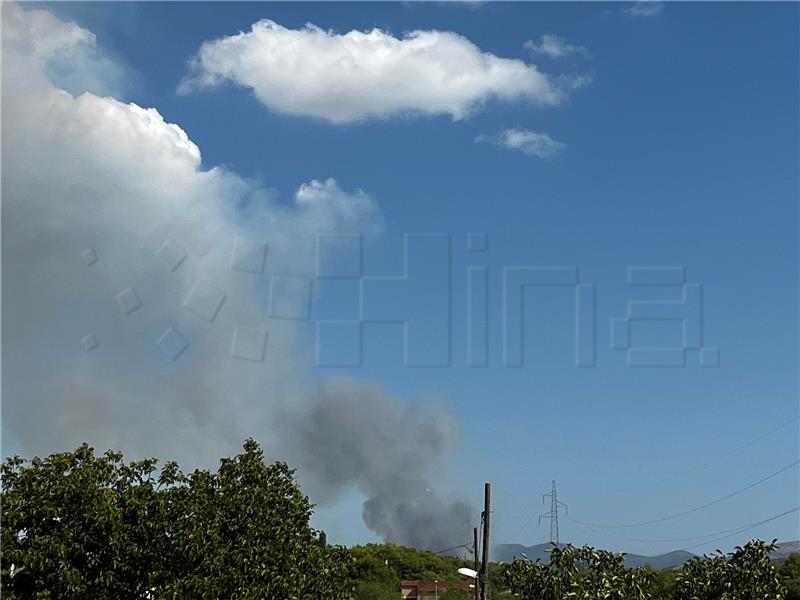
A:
{"x":78,"y":525}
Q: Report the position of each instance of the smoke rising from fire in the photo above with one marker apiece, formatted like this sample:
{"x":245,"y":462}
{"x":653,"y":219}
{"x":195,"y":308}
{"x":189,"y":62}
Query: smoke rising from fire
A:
{"x":91,"y":173}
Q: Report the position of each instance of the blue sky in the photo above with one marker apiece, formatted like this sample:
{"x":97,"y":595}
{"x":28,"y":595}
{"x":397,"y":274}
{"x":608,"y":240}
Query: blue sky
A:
{"x":680,"y":149}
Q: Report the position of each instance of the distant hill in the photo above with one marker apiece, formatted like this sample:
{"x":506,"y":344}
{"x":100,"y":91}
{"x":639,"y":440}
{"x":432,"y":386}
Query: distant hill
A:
{"x":785,"y":549}
{"x":669,"y":560}
{"x":507,"y":552}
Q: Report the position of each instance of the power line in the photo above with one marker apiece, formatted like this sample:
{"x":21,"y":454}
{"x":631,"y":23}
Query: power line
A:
{"x":692,"y":510}
{"x":788,"y":512}
{"x":732,"y":531}
{"x":716,"y":459}
{"x":467,"y":546}
{"x":531,"y":535}
{"x":698,"y":467}
{"x":524,"y":527}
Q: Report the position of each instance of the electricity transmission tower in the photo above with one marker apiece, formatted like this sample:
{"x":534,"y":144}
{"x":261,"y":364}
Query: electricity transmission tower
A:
{"x":553,"y":514}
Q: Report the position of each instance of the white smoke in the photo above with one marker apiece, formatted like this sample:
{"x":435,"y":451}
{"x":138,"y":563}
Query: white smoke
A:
{"x":88,"y":177}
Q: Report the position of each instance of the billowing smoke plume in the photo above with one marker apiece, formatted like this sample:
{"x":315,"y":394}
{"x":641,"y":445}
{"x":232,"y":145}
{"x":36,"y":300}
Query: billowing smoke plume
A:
{"x":115,"y":238}
{"x":355,"y":432}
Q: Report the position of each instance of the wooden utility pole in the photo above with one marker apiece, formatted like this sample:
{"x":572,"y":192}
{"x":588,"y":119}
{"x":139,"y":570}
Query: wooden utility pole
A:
{"x":487,"y":512}
{"x":475,"y":558}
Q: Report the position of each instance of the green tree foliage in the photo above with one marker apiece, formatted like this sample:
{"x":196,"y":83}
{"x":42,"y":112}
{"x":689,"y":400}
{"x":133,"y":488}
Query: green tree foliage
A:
{"x":378,"y":569}
{"x":664,"y":583}
{"x":586,"y":573}
{"x":76,"y":525}
{"x":746,"y":574}
{"x":456,"y":594}
{"x":583,"y":573}
{"x":408,"y":563}
{"x":371,"y":577}
{"x":790,"y":572}
{"x":373,"y":590}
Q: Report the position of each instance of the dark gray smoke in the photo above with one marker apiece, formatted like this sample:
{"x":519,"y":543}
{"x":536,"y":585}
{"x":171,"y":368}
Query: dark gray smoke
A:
{"x":354,"y":433}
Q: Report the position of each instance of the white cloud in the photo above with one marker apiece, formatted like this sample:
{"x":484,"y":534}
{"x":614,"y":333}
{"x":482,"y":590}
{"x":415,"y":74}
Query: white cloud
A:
{"x":366,"y":75}
{"x":649,"y":8}
{"x":529,"y":142}
{"x":555,"y":47}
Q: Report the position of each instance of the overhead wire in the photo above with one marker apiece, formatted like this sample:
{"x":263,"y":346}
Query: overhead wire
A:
{"x":732,"y":531}
{"x":525,"y":525}
{"x":691,"y":510}
{"x":596,"y":527}
{"x":724,"y":537}
{"x":716,"y":459}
